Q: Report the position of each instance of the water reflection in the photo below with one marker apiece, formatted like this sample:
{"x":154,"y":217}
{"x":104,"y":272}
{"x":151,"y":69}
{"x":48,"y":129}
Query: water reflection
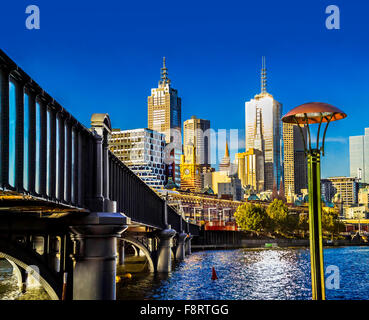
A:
{"x":10,"y":287}
{"x":261,"y":274}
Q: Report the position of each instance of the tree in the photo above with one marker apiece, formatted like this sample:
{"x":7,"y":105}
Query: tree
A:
{"x":278,"y":213}
{"x":303,"y":223}
{"x":275,"y":191}
{"x":281,"y":195}
{"x":292,"y":222}
{"x":331,"y":223}
{"x":251,"y":217}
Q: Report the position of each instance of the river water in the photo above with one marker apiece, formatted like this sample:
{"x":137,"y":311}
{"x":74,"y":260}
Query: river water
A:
{"x":259,"y":274}
{"x":243,"y":274}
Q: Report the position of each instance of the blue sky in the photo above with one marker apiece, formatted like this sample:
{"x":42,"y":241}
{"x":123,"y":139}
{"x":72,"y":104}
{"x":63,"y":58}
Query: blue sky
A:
{"x":106,"y":56}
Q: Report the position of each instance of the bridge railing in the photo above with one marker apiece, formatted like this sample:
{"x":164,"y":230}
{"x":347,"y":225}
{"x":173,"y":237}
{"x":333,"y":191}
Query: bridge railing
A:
{"x":193,"y":229}
{"x":175,"y":220}
{"x":133,"y":196}
{"x":46,"y":153}
{"x":44,"y":150}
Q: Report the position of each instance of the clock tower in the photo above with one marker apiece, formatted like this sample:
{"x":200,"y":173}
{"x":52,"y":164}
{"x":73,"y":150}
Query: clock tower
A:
{"x":190,"y":170}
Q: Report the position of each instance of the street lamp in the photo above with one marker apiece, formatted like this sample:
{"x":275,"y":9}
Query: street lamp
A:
{"x":305,"y":114}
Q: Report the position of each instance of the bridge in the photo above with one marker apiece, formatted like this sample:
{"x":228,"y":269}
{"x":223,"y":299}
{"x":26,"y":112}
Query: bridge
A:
{"x":68,"y":206}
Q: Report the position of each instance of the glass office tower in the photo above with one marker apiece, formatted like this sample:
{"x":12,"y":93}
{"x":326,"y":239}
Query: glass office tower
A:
{"x":359,"y":157}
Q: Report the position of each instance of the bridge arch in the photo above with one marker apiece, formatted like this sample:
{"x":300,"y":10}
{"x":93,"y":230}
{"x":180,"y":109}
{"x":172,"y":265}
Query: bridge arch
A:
{"x":16,"y":272}
{"x":145,"y":250}
{"x":24,"y":259}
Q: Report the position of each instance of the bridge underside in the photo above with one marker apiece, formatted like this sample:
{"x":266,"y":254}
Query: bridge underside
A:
{"x":14,"y":202}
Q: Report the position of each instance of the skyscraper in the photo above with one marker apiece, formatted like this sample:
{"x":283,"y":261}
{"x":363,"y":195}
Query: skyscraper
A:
{"x":294,"y":160}
{"x":263,"y":131}
{"x":359,"y":157}
{"x":195,"y":131}
{"x":164,"y":116}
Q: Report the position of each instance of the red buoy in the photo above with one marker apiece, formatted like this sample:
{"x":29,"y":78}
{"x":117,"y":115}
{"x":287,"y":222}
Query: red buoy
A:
{"x":213,"y":274}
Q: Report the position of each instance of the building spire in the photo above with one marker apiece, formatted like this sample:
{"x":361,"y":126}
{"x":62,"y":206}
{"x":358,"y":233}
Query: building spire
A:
{"x":226,"y":152}
{"x":263,"y":75}
{"x":225,"y":164}
{"x":164,"y":74}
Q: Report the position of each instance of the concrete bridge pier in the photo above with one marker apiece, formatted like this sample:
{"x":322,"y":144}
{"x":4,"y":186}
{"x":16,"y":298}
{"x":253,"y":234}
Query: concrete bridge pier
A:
{"x":121,"y":252}
{"x":54,"y":260}
{"x":164,"y":263}
{"x":95,"y":239}
{"x":188,"y":244}
{"x":180,"y":251}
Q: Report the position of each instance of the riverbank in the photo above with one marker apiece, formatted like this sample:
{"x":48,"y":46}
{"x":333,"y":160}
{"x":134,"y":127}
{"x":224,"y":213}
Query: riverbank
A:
{"x":270,"y":243}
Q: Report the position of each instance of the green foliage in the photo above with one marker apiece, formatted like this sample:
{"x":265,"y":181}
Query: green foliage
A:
{"x":278,"y":214}
{"x":303,"y":223}
{"x":251,"y":217}
{"x":276,"y":218}
{"x":331,"y":223}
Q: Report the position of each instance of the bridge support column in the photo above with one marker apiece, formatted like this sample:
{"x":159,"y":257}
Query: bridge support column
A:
{"x":164,"y":256}
{"x":180,"y":252}
{"x":188,"y":244}
{"x":121,"y":252}
{"x":95,"y":238}
{"x":53,"y":254}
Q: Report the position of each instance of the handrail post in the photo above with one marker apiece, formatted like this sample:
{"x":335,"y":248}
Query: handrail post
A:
{"x":101,"y":126}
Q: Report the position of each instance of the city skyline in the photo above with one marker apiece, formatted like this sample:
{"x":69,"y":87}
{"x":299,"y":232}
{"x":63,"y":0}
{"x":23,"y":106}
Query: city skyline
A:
{"x":210,"y":78}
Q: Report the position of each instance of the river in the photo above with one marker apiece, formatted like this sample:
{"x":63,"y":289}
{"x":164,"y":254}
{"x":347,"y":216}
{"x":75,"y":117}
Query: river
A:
{"x":246,"y":274}
{"x":259,"y":274}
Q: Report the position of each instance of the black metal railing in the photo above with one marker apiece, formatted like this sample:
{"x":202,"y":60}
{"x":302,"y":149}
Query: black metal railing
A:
{"x":134,"y":198}
{"x":42,"y":146}
{"x":45,"y":152}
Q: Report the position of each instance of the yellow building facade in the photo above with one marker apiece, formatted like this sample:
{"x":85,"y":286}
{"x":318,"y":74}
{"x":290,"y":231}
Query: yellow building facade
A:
{"x":190,"y":170}
{"x":250,"y":169}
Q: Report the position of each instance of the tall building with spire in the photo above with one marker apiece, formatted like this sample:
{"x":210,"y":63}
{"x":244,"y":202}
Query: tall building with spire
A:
{"x":225,"y":182}
{"x":263,"y":132}
{"x":164,"y":116}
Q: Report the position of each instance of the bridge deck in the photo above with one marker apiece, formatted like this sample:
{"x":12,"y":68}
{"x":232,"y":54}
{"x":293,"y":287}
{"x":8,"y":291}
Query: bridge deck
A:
{"x":14,"y":202}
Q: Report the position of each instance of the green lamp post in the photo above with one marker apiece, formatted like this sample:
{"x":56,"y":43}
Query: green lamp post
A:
{"x":305,"y":114}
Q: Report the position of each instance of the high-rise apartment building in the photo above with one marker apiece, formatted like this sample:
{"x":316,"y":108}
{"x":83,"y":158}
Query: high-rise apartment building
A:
{"x":347,"y":188}
{"x":141,"y":150}
{"x":164,"y":116}
{"x":294,"y":160}
{"x":263,"y":131}
{"x":359,"y":157}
